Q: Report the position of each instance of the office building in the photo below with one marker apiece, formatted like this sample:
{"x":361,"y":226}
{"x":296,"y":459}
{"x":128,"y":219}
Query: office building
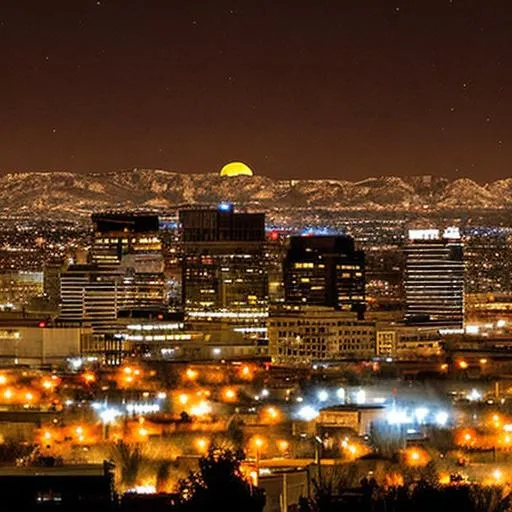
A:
{"x":95,"y":294}
{"x":51,"y":282}
{"x":36,"y":342}
{"x":325,"y":271}
{"x":306,"y":334}
{"x":18,"y":288}
{"x":434,"y":277}
{"x":118,"y":234}
{"x":224,"y":265}
{"x":130,"y":244}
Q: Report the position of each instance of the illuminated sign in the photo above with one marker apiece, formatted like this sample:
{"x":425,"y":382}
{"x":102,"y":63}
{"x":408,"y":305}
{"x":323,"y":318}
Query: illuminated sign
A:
{"x":452,"y":233}
{"x":424,"y":234}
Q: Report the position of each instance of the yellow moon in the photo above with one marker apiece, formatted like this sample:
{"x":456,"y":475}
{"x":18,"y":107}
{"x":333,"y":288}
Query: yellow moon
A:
{"x":236,"y":169}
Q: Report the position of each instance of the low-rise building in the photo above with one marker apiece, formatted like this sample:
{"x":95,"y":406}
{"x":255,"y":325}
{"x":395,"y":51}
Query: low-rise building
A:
{"x":301,"y":335}
{"x":40,"y":342}
{"x":358,"y":418}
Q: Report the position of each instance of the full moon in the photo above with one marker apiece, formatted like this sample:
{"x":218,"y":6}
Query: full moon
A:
{"x":236,"y":169}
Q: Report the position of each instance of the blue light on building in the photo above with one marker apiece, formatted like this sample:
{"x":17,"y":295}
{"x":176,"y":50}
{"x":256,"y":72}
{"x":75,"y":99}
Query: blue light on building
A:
{"x":225,"y":207}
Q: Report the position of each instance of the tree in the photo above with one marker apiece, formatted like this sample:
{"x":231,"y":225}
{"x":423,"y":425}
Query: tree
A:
{"x":220,"y":485}
{"x":128,"y":457}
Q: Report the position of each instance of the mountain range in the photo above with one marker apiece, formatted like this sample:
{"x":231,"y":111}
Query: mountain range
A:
{"x":62,"y":192}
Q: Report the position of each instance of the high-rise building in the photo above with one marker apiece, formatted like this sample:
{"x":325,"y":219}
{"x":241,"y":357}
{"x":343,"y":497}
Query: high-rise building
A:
{"x":95,"y":295}
{"x":434,"y":277}
{"x":325,"y":271}
{"x":51,"y":282}
{"x":224,"y":266}
{"x":118,"y":234}
{"x":133,"y":242}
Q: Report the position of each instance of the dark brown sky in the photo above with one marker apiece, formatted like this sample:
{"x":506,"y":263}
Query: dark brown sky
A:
{"x":343,"y":89}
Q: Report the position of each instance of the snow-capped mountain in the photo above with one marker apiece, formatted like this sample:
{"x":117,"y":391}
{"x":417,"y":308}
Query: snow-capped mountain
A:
{"x":62,"y":192}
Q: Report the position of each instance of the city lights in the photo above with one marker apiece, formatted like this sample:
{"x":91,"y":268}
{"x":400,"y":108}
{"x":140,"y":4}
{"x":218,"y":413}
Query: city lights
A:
{"x":201,"y":444}
{"x":415,"y":456}
{"x":474,"y":395}
{"x":201,"y":409}
{"x":307,"y":413}
{"x":421,"y":414}
{"x":191,"y":374}
{"x":442,"y":418}
{"x":256,"y":258}
{"x":323,"y":395}
{"x":109,"y":415}
{"x":361,"y":397}
{"x":229,"y":395}
{"x":89,"y":377}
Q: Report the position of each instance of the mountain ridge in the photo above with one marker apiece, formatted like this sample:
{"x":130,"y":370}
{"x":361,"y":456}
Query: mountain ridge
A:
{"x":48,"y":192}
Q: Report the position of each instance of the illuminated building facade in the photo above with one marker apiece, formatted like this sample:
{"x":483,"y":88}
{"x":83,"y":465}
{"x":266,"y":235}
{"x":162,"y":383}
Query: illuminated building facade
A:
{"x":18,"y":288}
{"x":34,"y":342}
{"x":117,"y":234}
{"x":325,"y":271}
{"x":407,"y":341}
{"x":303,"y":335}
{"x":434,"y":277}
{"x":132,"y":242}
{"x":51,"y":282}
{"x":166,"y":337}
{"x":96,"y":295}
{"x":224,"y":265}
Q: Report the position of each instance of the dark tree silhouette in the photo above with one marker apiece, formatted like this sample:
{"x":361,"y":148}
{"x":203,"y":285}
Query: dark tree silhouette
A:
{"x":220,"y":485}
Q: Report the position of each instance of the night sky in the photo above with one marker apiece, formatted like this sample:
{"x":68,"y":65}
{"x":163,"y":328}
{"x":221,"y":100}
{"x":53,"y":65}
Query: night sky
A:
{"x":341,"y":89}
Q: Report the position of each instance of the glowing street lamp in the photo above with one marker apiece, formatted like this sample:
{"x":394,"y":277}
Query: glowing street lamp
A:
{"x":191,"y":374}
{"x":258,"y":443}
{"x":201,"y":444}
{"x":229,"y":395}
{"x":416,"y":457}
{"x":283,"y":445}
{"x":88,"y":377}
{"x":271,"y":414}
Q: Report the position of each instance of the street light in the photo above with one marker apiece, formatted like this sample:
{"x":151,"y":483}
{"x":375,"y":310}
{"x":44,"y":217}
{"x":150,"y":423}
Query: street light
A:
{"x":318,"y":455}
{"x":201,"y":444}
{"x":258,"y":444}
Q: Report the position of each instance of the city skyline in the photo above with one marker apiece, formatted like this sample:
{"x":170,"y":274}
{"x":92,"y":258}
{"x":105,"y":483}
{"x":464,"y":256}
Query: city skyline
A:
{"x":335,"y":90}
{"x":255,"y":255}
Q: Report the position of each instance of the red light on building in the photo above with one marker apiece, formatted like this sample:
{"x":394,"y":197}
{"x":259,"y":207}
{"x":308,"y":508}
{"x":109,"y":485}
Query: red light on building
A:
{"x":42,"y":324}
